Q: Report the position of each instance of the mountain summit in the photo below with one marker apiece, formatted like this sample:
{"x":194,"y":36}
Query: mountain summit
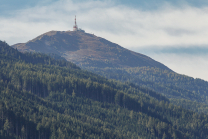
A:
{"x":86,"y":50}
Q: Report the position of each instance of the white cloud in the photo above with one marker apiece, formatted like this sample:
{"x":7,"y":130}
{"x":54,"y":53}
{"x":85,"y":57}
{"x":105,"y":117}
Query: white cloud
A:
{"x":123,"y":25}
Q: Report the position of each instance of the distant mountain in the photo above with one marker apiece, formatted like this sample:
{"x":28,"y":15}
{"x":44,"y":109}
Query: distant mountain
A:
{"x":115,"y":62}
{"x":87,"y":50}
{"x":44,"y":98}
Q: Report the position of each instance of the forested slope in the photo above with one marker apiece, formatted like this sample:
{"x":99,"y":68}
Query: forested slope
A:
{"x":179,"y":88}
{"x":44,"y":98}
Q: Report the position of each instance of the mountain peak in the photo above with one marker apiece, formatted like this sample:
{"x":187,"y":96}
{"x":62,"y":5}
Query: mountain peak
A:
{"x":86,"y":49}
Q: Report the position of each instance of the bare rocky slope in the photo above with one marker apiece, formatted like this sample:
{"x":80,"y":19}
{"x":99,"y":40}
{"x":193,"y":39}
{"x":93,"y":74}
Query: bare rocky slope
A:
{"x":87,"y":50}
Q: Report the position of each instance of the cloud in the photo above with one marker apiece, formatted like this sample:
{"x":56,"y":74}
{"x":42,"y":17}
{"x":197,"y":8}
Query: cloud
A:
{"x":129,"y":27}
{"x":165,"y":27}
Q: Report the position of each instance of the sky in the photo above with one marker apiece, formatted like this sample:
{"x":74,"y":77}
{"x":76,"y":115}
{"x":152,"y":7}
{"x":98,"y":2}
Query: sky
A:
{"x":173,"y":32}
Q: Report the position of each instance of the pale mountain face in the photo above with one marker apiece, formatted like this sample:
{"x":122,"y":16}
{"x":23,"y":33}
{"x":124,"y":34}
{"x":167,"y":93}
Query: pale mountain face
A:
{"x":87,"y":50}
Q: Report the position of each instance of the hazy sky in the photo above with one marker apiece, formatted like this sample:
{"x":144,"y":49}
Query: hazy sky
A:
{"x":173,"y":32}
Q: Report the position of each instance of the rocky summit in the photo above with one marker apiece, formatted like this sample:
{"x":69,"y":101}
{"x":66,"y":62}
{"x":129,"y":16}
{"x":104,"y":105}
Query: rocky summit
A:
{"x":87,"y":50}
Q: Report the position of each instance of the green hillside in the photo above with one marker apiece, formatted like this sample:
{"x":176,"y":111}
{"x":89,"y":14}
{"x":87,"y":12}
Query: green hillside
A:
{"x":44,"y":98}
{"x":175,"y":86}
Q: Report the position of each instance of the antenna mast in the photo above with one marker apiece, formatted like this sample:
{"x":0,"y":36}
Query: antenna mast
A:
{"x":75,"y":28}
{"x":75,"y":21}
